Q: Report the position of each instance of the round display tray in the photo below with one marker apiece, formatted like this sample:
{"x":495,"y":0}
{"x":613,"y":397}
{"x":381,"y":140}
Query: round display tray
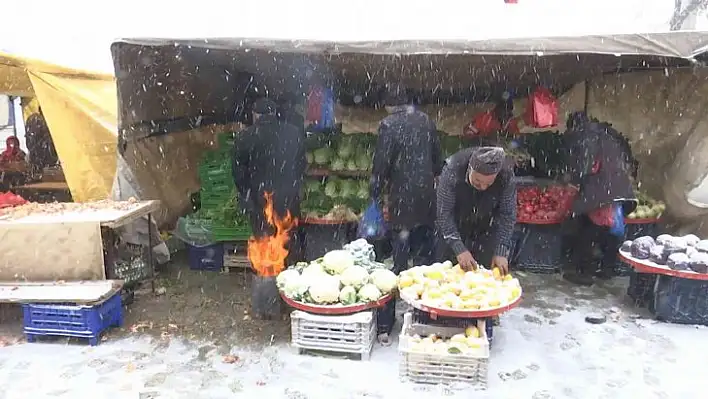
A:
{"x":540,"y":222}
{"x":463,"y":314}
{"x":335,"y":309}
{"x":641,"y":221}
{"x":649,"y":267}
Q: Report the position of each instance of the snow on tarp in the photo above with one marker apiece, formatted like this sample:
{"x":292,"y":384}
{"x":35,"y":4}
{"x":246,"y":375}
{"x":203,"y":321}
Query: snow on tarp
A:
{"x":683,"y":44}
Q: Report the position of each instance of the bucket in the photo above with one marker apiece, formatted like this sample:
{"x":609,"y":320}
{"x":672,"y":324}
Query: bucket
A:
{"x":265,"y":299}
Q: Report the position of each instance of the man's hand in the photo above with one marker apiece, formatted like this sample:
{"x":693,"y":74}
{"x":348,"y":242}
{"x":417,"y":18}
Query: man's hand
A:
{"x":502,"y":263}
{"x":466,"y":261}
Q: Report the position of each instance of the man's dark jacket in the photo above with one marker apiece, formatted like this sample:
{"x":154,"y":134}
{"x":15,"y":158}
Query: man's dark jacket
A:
{"x":600,"y":166}
{"x":462,"y":210}
{"x":269,"y":156}
{"x":406,"y":161}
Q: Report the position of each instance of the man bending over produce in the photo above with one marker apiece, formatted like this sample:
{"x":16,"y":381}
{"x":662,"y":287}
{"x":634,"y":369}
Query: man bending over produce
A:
{"x":269,"y":156}
{"x":406,"y":161}
{"x":476,"y":208}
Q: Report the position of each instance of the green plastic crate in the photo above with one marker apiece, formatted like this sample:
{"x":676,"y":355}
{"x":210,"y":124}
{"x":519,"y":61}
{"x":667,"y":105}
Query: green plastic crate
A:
{"x":239,"y":233}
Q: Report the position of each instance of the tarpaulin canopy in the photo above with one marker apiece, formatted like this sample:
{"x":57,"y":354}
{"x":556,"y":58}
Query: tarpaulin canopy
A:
{"x":193,"y":79}
{"x":80,"y":110}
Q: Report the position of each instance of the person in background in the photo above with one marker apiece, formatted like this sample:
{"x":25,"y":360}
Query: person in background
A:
{"x":476,"y":208}
{"x":406,"y":161}
{"x":269,"y":156}
{"x":288,"y":112}
{"x":600,"y":164}
{"x":40,"y":146}
{"x":13,"y":152}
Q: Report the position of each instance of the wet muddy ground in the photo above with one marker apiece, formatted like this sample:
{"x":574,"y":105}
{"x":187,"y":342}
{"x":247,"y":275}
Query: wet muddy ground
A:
{"x":196,"y":340}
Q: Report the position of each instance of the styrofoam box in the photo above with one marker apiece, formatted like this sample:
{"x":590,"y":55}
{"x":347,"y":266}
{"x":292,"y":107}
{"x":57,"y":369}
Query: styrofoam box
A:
{"x":442,"y":368}
{"x":354,"y":333}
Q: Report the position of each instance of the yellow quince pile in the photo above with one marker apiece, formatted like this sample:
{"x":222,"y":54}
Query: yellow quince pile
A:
{"x":470,"y":342}
{"x":442,"y":285}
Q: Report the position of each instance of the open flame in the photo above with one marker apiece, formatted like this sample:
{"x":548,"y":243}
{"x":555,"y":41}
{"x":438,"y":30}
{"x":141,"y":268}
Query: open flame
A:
{"x":267,"y":254}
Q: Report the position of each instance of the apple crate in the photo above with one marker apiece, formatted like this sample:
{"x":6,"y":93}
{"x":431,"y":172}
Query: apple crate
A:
{"x":468,"y":368}
{"x":349,"y":334}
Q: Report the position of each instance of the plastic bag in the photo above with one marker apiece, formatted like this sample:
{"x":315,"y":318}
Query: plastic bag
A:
{"x":372,"y":224}
{"x":482,"y":124}
{"x":320,"y":108}
{"x":193,"y":232}
{"x":542,"y":109}
{"x":611,"y":216}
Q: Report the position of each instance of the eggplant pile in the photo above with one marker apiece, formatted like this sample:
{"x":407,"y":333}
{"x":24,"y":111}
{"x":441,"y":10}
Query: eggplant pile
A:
{"x":687,"y":253}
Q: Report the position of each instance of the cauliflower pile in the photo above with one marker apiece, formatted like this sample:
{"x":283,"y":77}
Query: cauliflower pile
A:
{"x":442,"y":285}
{"x":336,"y":278}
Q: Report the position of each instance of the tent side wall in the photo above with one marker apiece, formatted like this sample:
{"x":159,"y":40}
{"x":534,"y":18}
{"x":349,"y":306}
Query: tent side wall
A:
{"x":80,"y":111}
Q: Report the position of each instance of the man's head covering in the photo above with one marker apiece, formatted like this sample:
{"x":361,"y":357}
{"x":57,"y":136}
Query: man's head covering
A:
{"x":487,"y":160}
{"x":264,"y":106}
{"x":395,"y":97}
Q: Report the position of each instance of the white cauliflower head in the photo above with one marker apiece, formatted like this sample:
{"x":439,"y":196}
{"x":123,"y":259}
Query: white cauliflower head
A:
{"x":325,"y":289}
{"x":355,"y":276}
{"x":384,"y":280}
{"x":337,"y":261}
{"x":369,"y":293}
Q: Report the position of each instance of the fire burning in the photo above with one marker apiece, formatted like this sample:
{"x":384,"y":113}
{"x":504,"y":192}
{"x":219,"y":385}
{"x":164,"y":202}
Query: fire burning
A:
{"x":267,"y":254}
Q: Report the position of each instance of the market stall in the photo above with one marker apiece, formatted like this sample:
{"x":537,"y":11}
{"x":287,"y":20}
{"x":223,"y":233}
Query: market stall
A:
{"x":671,"y":276}
{"x":72,"y":241}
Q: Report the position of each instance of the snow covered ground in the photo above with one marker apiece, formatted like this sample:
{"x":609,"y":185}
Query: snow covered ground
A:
{"x":543,"y":349}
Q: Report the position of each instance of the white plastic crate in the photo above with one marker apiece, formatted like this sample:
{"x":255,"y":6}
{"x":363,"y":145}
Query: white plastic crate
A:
{"x":442,"y":368}
{"x":354,"y":333}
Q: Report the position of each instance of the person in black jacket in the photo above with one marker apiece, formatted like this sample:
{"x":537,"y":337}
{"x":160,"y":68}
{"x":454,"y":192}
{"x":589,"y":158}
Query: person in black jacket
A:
{"x":288,"y":112}
{"x":600,"y":165}
{"x":269,"y":156}
{"x":476,"y":208}
{"x":406,"y":161}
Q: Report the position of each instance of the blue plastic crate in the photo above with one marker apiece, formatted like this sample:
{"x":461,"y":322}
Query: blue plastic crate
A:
{"x":209,"y":257}
{"x":681,"y":301}
{"x":72,"y":320}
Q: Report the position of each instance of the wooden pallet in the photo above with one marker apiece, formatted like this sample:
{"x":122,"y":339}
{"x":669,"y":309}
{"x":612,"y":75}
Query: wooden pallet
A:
{"x":237,"y":261}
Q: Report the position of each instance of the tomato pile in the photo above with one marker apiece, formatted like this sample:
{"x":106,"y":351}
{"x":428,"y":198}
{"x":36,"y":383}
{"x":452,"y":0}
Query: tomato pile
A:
{"x":9,"y":200}
{"x":535,"y":204}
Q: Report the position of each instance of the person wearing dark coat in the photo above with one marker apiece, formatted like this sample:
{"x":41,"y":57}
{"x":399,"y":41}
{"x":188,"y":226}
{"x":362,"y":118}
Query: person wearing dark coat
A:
{"x":40,"y":146}
{"x":600,"y":164}
{"x":288,"y":112}
{"x":476,"y":208}
{"x":269,"y":156}
{"x":406,"y":161}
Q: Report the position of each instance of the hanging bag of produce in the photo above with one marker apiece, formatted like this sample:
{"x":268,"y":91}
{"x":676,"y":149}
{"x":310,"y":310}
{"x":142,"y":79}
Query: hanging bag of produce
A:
{"x":483,"y":124}
{"x":372,"y":224}
{"x":611,"y":216}
{"x":314,"y":105}
{"x":542,"y":109}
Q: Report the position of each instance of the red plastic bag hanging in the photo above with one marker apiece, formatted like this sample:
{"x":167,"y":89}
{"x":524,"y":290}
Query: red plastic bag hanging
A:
{"x":602,"y":216}
{"x":315,"y":101}
{"x":542,"y":109}
{"x":482,"y":124}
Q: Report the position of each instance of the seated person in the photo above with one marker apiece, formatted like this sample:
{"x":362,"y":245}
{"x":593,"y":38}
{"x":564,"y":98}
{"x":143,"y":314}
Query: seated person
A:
{"x":12,"y":152}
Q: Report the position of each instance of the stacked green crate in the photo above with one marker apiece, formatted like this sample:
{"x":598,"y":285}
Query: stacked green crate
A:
{"x":218,"y":194}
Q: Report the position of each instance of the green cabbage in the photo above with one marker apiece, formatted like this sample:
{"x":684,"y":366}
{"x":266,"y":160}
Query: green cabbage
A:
{"x":348,"y":189}
{"x":331,"y":189}
{"x":338,"y":164}
{"x":322,"y":155}
{"x":363,"y":161}
{"x":310,"y":157}
{"x":312,"y":186}
{"x":352,"y":165}
{"x":346,"y":147}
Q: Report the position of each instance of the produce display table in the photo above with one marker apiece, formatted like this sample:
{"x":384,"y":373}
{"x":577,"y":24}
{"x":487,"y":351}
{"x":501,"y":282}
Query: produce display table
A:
{"x":676,"y":296}
{"x":636,"y":228}
{"x":463,"y":314}
{"x":335,"y":309}
{"x":63,"y":241}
